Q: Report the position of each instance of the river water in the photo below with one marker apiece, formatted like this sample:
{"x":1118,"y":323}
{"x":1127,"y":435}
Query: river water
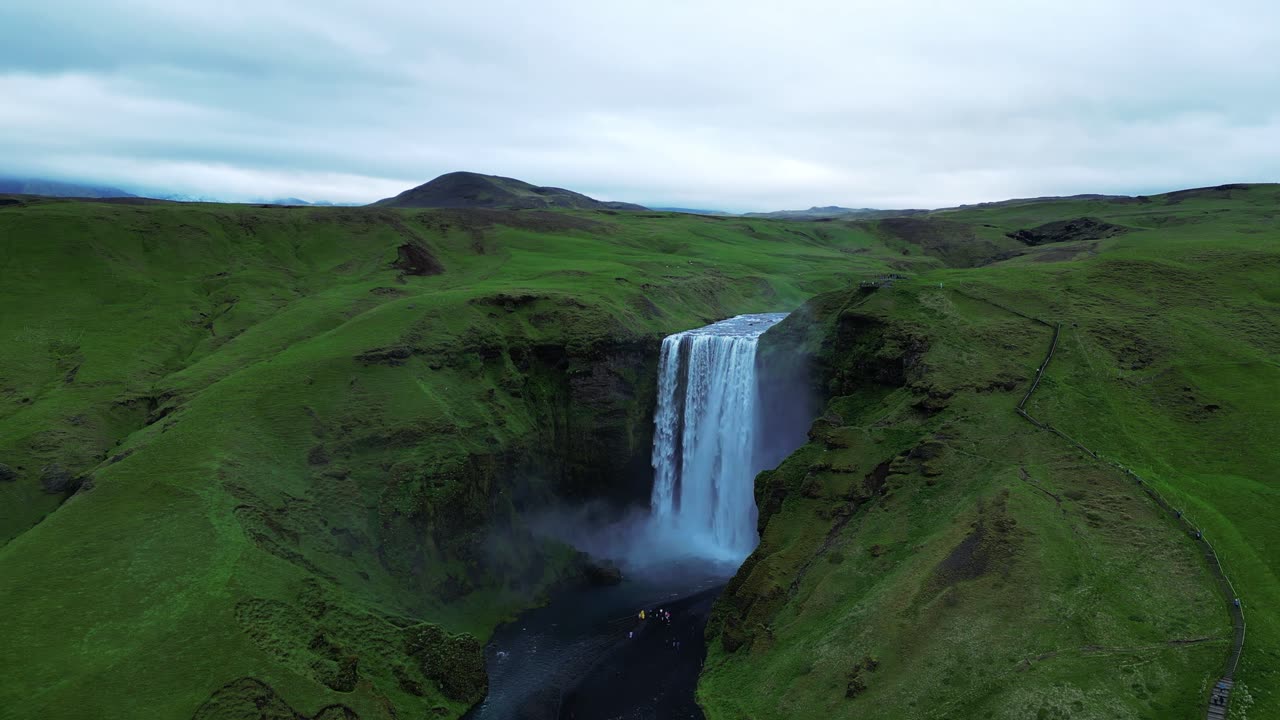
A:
{"x":587,"y":653}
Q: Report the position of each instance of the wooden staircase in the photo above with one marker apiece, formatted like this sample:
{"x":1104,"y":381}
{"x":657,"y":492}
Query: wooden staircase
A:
{"x":1219,"y":698}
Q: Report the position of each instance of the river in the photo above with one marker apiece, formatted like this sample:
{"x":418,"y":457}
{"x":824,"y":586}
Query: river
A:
{"x":587,"y":653}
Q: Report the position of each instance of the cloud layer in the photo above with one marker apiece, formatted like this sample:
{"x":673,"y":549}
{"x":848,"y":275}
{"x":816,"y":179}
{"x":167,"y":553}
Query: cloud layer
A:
{"x":739,"y":105}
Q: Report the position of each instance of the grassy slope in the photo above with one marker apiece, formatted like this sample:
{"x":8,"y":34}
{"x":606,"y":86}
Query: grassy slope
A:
{"x":265,"y":505}
{"x":994,"y":572}
{"x":1071,"y":608}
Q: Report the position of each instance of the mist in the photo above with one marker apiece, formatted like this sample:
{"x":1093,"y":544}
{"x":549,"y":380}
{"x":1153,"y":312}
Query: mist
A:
{"x":756,"y":406}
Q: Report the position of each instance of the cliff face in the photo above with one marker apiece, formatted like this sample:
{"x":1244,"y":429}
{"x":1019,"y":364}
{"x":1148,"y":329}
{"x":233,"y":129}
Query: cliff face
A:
{"x":595,"y":410}
{"x":440,"y":529}
{"x":575,"y":426}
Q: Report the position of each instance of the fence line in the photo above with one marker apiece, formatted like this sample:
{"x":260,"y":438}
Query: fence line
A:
{"x":1234,"y":604}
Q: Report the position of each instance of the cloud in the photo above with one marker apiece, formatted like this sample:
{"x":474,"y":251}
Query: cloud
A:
{"x":739,"y":105}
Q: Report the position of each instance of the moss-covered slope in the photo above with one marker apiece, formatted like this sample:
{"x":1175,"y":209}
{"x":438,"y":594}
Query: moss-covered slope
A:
{"x":278,"y":456}
{"x":931,"y":554}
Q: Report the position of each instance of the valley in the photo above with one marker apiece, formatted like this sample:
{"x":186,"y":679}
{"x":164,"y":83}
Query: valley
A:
{"x":306,"y":461}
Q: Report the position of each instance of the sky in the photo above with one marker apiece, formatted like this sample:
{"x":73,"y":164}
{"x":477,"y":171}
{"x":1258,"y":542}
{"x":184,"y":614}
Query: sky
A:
{"x":737,"y":105}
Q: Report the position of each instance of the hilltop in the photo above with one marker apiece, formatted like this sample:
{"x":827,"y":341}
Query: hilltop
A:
{"x":473,"y":190}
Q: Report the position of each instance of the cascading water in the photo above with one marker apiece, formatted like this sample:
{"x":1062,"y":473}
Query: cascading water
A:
{"x":705,"y":456}
{"x":723,"y":415}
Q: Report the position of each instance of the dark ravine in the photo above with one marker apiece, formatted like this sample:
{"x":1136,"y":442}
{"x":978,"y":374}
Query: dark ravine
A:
{"x":635,"y":649}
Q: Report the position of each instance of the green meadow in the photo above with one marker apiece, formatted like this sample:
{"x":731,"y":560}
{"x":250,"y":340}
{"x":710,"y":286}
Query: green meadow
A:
{"x":278,"y":460}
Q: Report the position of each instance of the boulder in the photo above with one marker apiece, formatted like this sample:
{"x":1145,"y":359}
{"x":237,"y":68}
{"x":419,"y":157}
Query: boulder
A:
{"x":601,"y":573}
{"x":56,"y":480}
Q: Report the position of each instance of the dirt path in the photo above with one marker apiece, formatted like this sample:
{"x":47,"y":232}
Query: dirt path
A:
{"x":1219,"y":698}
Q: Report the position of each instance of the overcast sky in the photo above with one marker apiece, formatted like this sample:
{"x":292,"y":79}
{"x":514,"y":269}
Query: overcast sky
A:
{"x":739,"y":105}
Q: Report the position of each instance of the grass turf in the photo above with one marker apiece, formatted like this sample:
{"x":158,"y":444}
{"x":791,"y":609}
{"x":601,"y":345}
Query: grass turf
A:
{"x":305,"y":468}
{"x":294,"y":460}
{"x":1086,"y":605}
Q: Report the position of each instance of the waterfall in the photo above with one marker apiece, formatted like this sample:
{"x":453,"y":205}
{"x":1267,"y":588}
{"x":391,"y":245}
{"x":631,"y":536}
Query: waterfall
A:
{"x":705,"y":455}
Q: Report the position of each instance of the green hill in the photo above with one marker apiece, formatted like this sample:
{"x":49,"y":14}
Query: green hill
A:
{"x":473,"y":190}
{"x":275,"y":460}
{"x":270,"y":443}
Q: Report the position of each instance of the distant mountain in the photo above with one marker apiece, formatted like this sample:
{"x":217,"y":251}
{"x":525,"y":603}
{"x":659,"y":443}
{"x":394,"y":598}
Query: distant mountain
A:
{"x":306,"y":203}
{"x":473,"y":190}
{"x":184,"y":198}
{"x":1117,"y":199}
{"x":693,"y":211}
{"x":832,"y":211}
{"x":299,"y":201}
{"x":56,"y":188}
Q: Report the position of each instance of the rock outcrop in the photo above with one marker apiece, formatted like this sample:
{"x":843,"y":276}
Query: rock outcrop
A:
{"x":1085,"y":228}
